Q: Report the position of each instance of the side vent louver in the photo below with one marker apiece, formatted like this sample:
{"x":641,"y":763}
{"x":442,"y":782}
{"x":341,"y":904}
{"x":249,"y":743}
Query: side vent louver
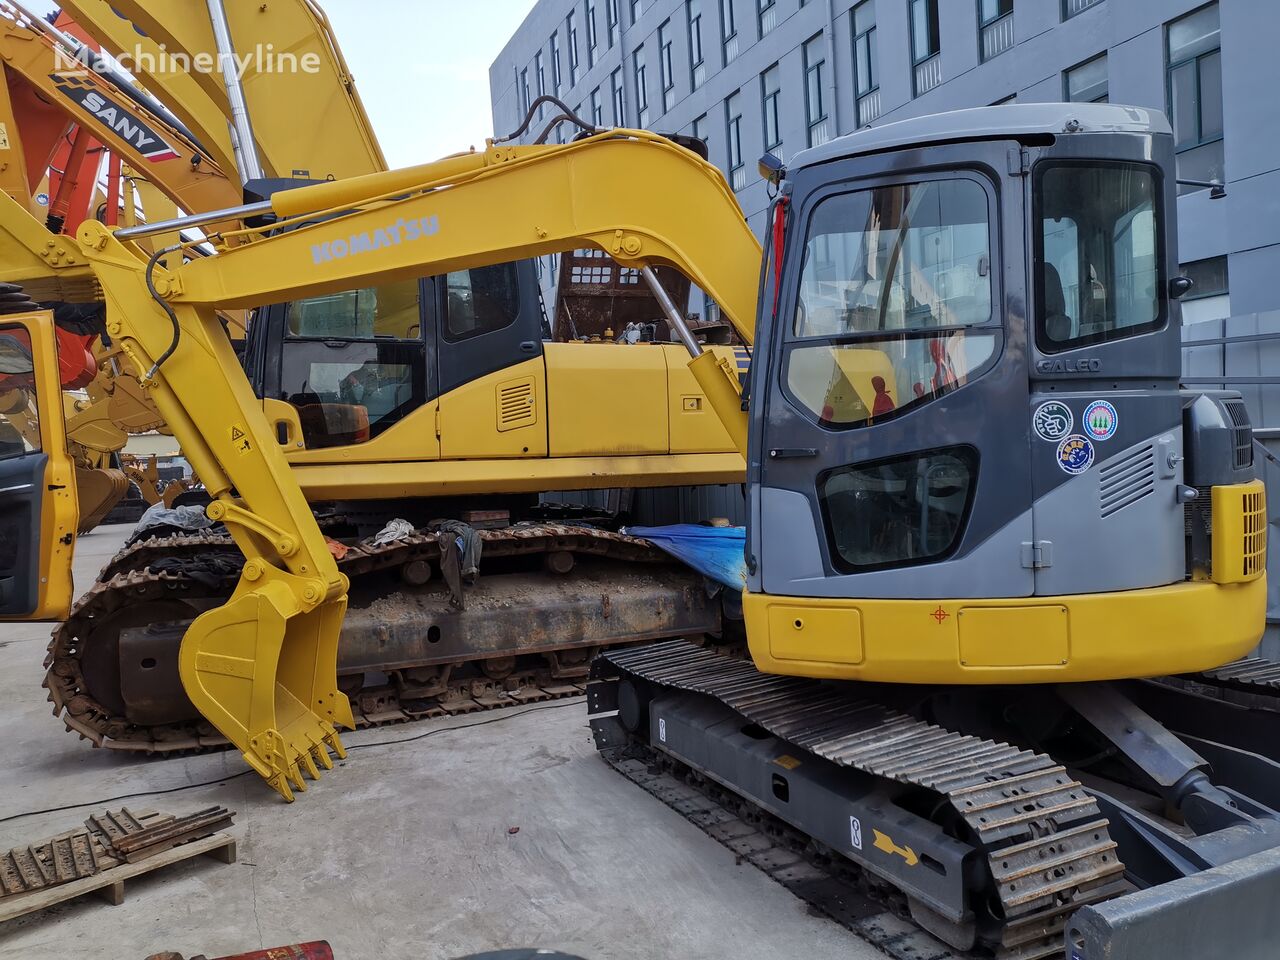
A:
{"x":516,"y":404}
{"x":1242,"y":432}
{"x":1127,"y":479}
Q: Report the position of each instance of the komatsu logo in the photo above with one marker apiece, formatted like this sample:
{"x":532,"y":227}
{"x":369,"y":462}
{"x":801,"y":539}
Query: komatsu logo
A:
{"x":389,"y":236}
{"x":141,"y":137}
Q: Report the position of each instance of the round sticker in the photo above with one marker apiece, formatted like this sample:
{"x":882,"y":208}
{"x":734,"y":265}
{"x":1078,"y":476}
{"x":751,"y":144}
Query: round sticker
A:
{"x":1052,"y":420}
{"x":1075,"y":454}
{"x":42,"y":199}
{"x":1100,"y":420}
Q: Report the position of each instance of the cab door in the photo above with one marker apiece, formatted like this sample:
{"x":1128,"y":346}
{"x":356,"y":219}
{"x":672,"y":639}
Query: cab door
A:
{"x":491,"y":370}
{"x":892,"y":448}
{"x":38,"y":508}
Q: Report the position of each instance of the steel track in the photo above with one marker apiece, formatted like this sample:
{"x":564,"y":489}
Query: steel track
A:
{"x":127,"y":581}
{"x":1045,"y":841}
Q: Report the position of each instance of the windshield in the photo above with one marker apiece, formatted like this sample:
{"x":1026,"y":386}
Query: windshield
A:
{"x":1098,"y":256}
{"x":898,"y":258}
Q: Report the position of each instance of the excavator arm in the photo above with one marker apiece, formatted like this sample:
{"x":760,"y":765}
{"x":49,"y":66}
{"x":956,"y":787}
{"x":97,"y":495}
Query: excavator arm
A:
{"x":640,"y":197}
{"x":262,"y":668}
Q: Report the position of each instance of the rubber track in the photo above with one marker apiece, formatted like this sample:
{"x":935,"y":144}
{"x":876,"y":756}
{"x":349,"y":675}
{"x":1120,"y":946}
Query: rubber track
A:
{"x":1048,"y":848}
{"x":126,"y":580}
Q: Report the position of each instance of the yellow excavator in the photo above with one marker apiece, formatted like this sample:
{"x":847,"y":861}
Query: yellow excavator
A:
{"x":954,"y":591}
{"x":435,"y":398}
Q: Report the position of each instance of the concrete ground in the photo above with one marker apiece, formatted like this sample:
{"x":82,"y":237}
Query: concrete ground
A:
{"x":403,"y":851}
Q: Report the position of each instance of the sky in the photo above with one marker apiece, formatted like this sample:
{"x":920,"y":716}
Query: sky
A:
{"x":421,"y":66}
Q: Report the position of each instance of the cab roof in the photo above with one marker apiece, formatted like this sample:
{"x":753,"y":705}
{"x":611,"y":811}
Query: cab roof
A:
{"x":1011,"y":121}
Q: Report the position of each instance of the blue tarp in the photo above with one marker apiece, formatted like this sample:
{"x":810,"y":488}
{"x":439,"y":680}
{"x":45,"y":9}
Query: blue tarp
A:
{"x":715,"y":552}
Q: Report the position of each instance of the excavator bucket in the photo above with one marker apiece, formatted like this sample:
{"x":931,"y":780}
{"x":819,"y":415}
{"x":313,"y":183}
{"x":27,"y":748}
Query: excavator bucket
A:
{"x":264,"y":671}
{"x":98,"y":490}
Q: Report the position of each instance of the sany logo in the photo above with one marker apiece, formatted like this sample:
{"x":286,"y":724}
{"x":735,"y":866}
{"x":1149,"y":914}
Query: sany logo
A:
{"x":389,"y":236}
{"x":141,"y":137}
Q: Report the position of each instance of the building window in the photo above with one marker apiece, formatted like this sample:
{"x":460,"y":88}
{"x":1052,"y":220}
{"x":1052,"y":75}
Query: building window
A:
{"x":593,"y":38}
{"x":571,"y":31}
{"x":1071,"y":7}
{"x":866,"y":71}
{"x":697,"y":62}
{"x":556,"y":77}
{"x":524,"y":93}
{"x":642,"y":88}
{"x":540,"y":77}
{"x":1195,"y":94}
{"x":770,"y":87}
{"x":702,"y":131}
{"x":733,"y":136}
{"x":635,"y":11}
{"x":728,"y":30}
{"x":926,"y":46}
{"x":1087,"y":83}
{"x":1210,"y":277}
{"x":611,"y":21}
{"x":665,"y":72}
{"x":767,"y":14}
{"x":815,"y":108}
{"x":996,"y":30}
{"x":597,"y":111}
{"x":619,"y":103}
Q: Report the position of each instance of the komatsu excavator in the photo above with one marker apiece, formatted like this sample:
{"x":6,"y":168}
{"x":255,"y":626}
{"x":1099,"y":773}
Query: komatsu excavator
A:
{"x":954,"y":582}
{"x":429,"y":396}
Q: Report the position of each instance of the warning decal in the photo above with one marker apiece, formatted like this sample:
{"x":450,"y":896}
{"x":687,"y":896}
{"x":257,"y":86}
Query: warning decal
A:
{"x":240,"y":438}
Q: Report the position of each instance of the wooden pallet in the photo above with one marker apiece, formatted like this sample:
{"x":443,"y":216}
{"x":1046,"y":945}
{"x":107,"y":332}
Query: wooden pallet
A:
{"x":109,"y":884}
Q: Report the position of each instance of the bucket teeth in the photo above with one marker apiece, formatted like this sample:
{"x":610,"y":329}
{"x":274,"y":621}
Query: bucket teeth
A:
{"x":321,"y":754}
{"x":309,"y":765}
{"x":280,"y":785}
{"x":335,"y":744}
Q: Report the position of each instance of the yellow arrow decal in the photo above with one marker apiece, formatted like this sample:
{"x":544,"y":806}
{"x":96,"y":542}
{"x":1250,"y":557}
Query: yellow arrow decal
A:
{"x":888,"y":846}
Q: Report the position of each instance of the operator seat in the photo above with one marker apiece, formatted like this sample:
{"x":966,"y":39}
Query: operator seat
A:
{"x":1058,"y":326}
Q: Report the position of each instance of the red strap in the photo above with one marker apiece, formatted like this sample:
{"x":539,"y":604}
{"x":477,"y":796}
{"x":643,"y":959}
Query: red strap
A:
{"x":779,"y":233}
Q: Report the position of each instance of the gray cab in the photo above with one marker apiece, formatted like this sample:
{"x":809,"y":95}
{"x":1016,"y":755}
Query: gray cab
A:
{"x":971,"y":382}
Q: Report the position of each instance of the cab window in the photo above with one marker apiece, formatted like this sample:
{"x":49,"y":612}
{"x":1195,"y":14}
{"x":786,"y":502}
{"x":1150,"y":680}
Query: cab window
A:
{"x":898,"y":512}
{"x":895,"y":301}
{"x":1098,"y":253}
{"x":906,"y":257}
{"x":480,"y":301}
{"x":354,"y":362}
{"x":19,"y":413}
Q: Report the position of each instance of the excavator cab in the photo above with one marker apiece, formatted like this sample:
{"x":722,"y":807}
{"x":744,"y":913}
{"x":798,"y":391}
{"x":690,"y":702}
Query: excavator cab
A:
{"x":38,"y":508}
{"x":972,"y":460}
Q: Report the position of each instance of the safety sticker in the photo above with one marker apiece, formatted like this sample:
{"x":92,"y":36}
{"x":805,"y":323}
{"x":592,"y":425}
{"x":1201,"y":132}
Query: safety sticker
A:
{"x":4,"y":136}
{"x":1100,"y":420}
{"x":240,"y":439}
{"x":662,"y":729}
{"x":1052,"y":420}
{"x":855,"y":833}
{"x":885,"y":843}
{"x":786,"y":761}
{"x":1075,"y":454}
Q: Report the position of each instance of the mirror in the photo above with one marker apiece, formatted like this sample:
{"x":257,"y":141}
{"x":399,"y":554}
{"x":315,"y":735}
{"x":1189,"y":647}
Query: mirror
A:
{"x":771,"y":168}
{"x":1179,"y":287}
